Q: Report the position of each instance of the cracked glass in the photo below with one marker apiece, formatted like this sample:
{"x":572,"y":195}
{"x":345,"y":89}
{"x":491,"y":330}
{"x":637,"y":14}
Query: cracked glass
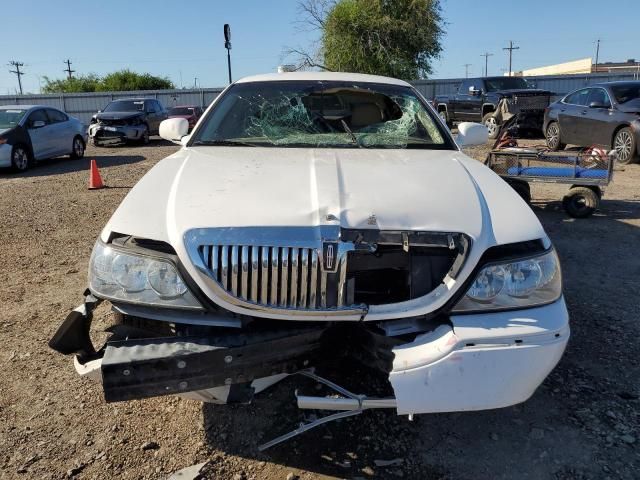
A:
{"x":321,"y":114}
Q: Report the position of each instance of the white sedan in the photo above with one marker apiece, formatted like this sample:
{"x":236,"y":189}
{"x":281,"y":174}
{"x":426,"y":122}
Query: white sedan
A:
{"x":29,"y":133}
{"x":323,"y":217}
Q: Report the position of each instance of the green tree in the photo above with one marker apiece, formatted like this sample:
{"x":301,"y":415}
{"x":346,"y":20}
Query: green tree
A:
{"x":123,"y":80}
{"x":82,"y":83}
{"x":397,"y":38}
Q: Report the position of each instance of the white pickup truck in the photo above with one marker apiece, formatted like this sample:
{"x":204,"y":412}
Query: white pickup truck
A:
{"x":319,"y":215}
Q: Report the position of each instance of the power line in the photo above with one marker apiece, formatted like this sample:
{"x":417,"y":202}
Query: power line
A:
{"x":486,"y":56}
{"x":17,"y":71}
{"x":68,"y":69}
{"x":511,"y":48}
{"x":466,"y":69}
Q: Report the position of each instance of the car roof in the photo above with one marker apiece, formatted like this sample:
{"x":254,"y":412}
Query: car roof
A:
{"x":620,"y":83}
{"x":27,"y":107}
{"x":134,"y":99}
{"x":323,"y":76}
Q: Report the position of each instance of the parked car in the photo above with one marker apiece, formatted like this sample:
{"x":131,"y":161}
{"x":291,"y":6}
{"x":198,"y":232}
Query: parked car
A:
{"x":314,"y":217}
{"x":191,"y":113}
{"x":492,"y":101}
{"x":132,"y":119}
{"x":29,"y":133}
{"x":604,"y":114}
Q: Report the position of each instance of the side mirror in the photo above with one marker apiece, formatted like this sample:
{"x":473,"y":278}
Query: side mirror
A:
{"x":174,"y":129}
{"x":99,"y":111}
{"x":471,"y":134}
{"x":473,"y":91}
{"x":37,"y":124}
{"x":598,"y":105}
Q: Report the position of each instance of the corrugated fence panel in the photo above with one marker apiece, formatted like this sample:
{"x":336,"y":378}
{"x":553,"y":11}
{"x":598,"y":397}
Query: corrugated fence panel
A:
{"x":83,"y":105}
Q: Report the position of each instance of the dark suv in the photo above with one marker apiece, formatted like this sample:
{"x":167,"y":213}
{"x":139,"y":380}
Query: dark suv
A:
{"x":492,"y":101}
{"x":131,"y":119}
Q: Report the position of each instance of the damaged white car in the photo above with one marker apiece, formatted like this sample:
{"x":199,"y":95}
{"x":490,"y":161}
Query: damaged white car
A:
{"x":316,"y":215}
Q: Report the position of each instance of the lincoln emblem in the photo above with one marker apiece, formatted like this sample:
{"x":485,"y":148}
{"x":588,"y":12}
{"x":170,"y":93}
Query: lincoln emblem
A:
{"x":330,"y":252}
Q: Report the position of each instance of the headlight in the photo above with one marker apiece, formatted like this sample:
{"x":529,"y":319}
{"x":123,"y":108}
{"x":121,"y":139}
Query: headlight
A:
{"x":514,"y":284}
{"x":118,"y":274}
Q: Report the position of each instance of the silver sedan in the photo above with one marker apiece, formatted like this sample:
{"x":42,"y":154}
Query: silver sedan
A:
{"x":29,"y":133}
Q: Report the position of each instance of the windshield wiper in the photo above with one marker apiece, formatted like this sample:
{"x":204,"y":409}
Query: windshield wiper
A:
{"x":348,"y":130}
{"x":225,"y":143}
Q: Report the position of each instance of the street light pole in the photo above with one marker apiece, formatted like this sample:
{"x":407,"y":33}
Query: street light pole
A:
{"x":227,"y":45}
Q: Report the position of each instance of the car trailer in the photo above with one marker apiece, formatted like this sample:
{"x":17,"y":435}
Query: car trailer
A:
{"x":588,"y":170}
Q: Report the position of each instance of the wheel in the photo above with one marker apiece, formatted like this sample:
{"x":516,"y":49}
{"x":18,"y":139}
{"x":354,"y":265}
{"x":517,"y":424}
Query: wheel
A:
{"x":445,"y":118}
{"x":624,"y":143}
{"x":580,"y":202}
{"x":77,"y":151}
{"x":144,"y":139}
{"x":553,"y":137}
{"x":523,"y":189}
{"x":20,"y":159}
{"x":490,"y":121}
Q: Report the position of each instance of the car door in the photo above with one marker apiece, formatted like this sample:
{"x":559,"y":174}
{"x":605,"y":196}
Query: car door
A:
{"x":592,"y":126}
{"x":42,"y":138}
{"x":462,"y":104}
{"x":474,"y":104}
{"x":569,"y":114}
{"x":62,"y":131}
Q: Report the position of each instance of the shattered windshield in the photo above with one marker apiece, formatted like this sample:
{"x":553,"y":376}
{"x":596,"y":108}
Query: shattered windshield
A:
{"x":321,"y":114}
{"x":125,"y":106}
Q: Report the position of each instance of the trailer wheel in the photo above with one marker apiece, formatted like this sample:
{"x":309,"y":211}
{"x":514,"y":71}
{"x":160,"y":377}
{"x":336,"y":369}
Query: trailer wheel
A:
{"x":581,"y":202}
{"x":523,"y":189}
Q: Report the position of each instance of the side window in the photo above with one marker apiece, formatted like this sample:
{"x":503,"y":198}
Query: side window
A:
{"x":578,"y":98}
{"x":159,"y":108}
{"x":149,"y":106}
{"x":37,"y":115}
{"x":55,"y":116}
{"x":599,"y":95}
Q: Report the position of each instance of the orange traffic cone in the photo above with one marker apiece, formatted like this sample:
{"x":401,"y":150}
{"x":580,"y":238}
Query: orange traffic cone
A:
{"x":95,"y":181}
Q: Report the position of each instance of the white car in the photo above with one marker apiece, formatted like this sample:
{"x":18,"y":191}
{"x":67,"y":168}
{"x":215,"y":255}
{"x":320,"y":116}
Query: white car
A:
{"x":323,"y":215}
{"x":29,"y":133}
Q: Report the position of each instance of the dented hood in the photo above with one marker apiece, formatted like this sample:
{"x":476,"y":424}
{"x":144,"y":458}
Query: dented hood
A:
{"x":429,"y":190}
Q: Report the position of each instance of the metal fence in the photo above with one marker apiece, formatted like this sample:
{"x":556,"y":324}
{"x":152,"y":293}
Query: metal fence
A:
{"x":560,"y":85}
{"x":83,"y":105}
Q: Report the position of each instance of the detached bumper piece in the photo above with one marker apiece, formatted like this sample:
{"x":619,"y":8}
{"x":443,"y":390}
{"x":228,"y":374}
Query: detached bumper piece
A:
{"x":133,"y":369}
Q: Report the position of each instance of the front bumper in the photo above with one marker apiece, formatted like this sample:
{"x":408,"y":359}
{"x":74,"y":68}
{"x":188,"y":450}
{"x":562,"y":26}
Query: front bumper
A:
{"x":475,"y":362}
{"x":106,"y":134}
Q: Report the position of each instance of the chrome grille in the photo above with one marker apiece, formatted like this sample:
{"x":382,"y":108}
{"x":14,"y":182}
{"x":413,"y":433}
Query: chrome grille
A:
{"x":285,"y":277}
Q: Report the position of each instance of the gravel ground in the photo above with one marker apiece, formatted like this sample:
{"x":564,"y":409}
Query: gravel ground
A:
{"x":581,"y":424}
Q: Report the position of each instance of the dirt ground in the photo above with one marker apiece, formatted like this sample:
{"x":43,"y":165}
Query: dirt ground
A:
{"x":581,"y":424}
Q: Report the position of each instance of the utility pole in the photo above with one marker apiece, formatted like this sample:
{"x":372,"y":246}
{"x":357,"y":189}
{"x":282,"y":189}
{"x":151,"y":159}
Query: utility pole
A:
{"x":17,"y":71}
{"x":68,"y":69}
{"x":486,"y":56}
{"x":466,"y":69}
{"x":511,"y":48}
{"x":195,"y":82}
{"x":597,"y":55}
{"x":227,"y":45}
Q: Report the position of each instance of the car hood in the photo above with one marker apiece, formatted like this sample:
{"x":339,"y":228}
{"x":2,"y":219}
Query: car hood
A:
{"x":632,"y":106}
{"x":429,"y":190}
{"x":117,"y":115}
